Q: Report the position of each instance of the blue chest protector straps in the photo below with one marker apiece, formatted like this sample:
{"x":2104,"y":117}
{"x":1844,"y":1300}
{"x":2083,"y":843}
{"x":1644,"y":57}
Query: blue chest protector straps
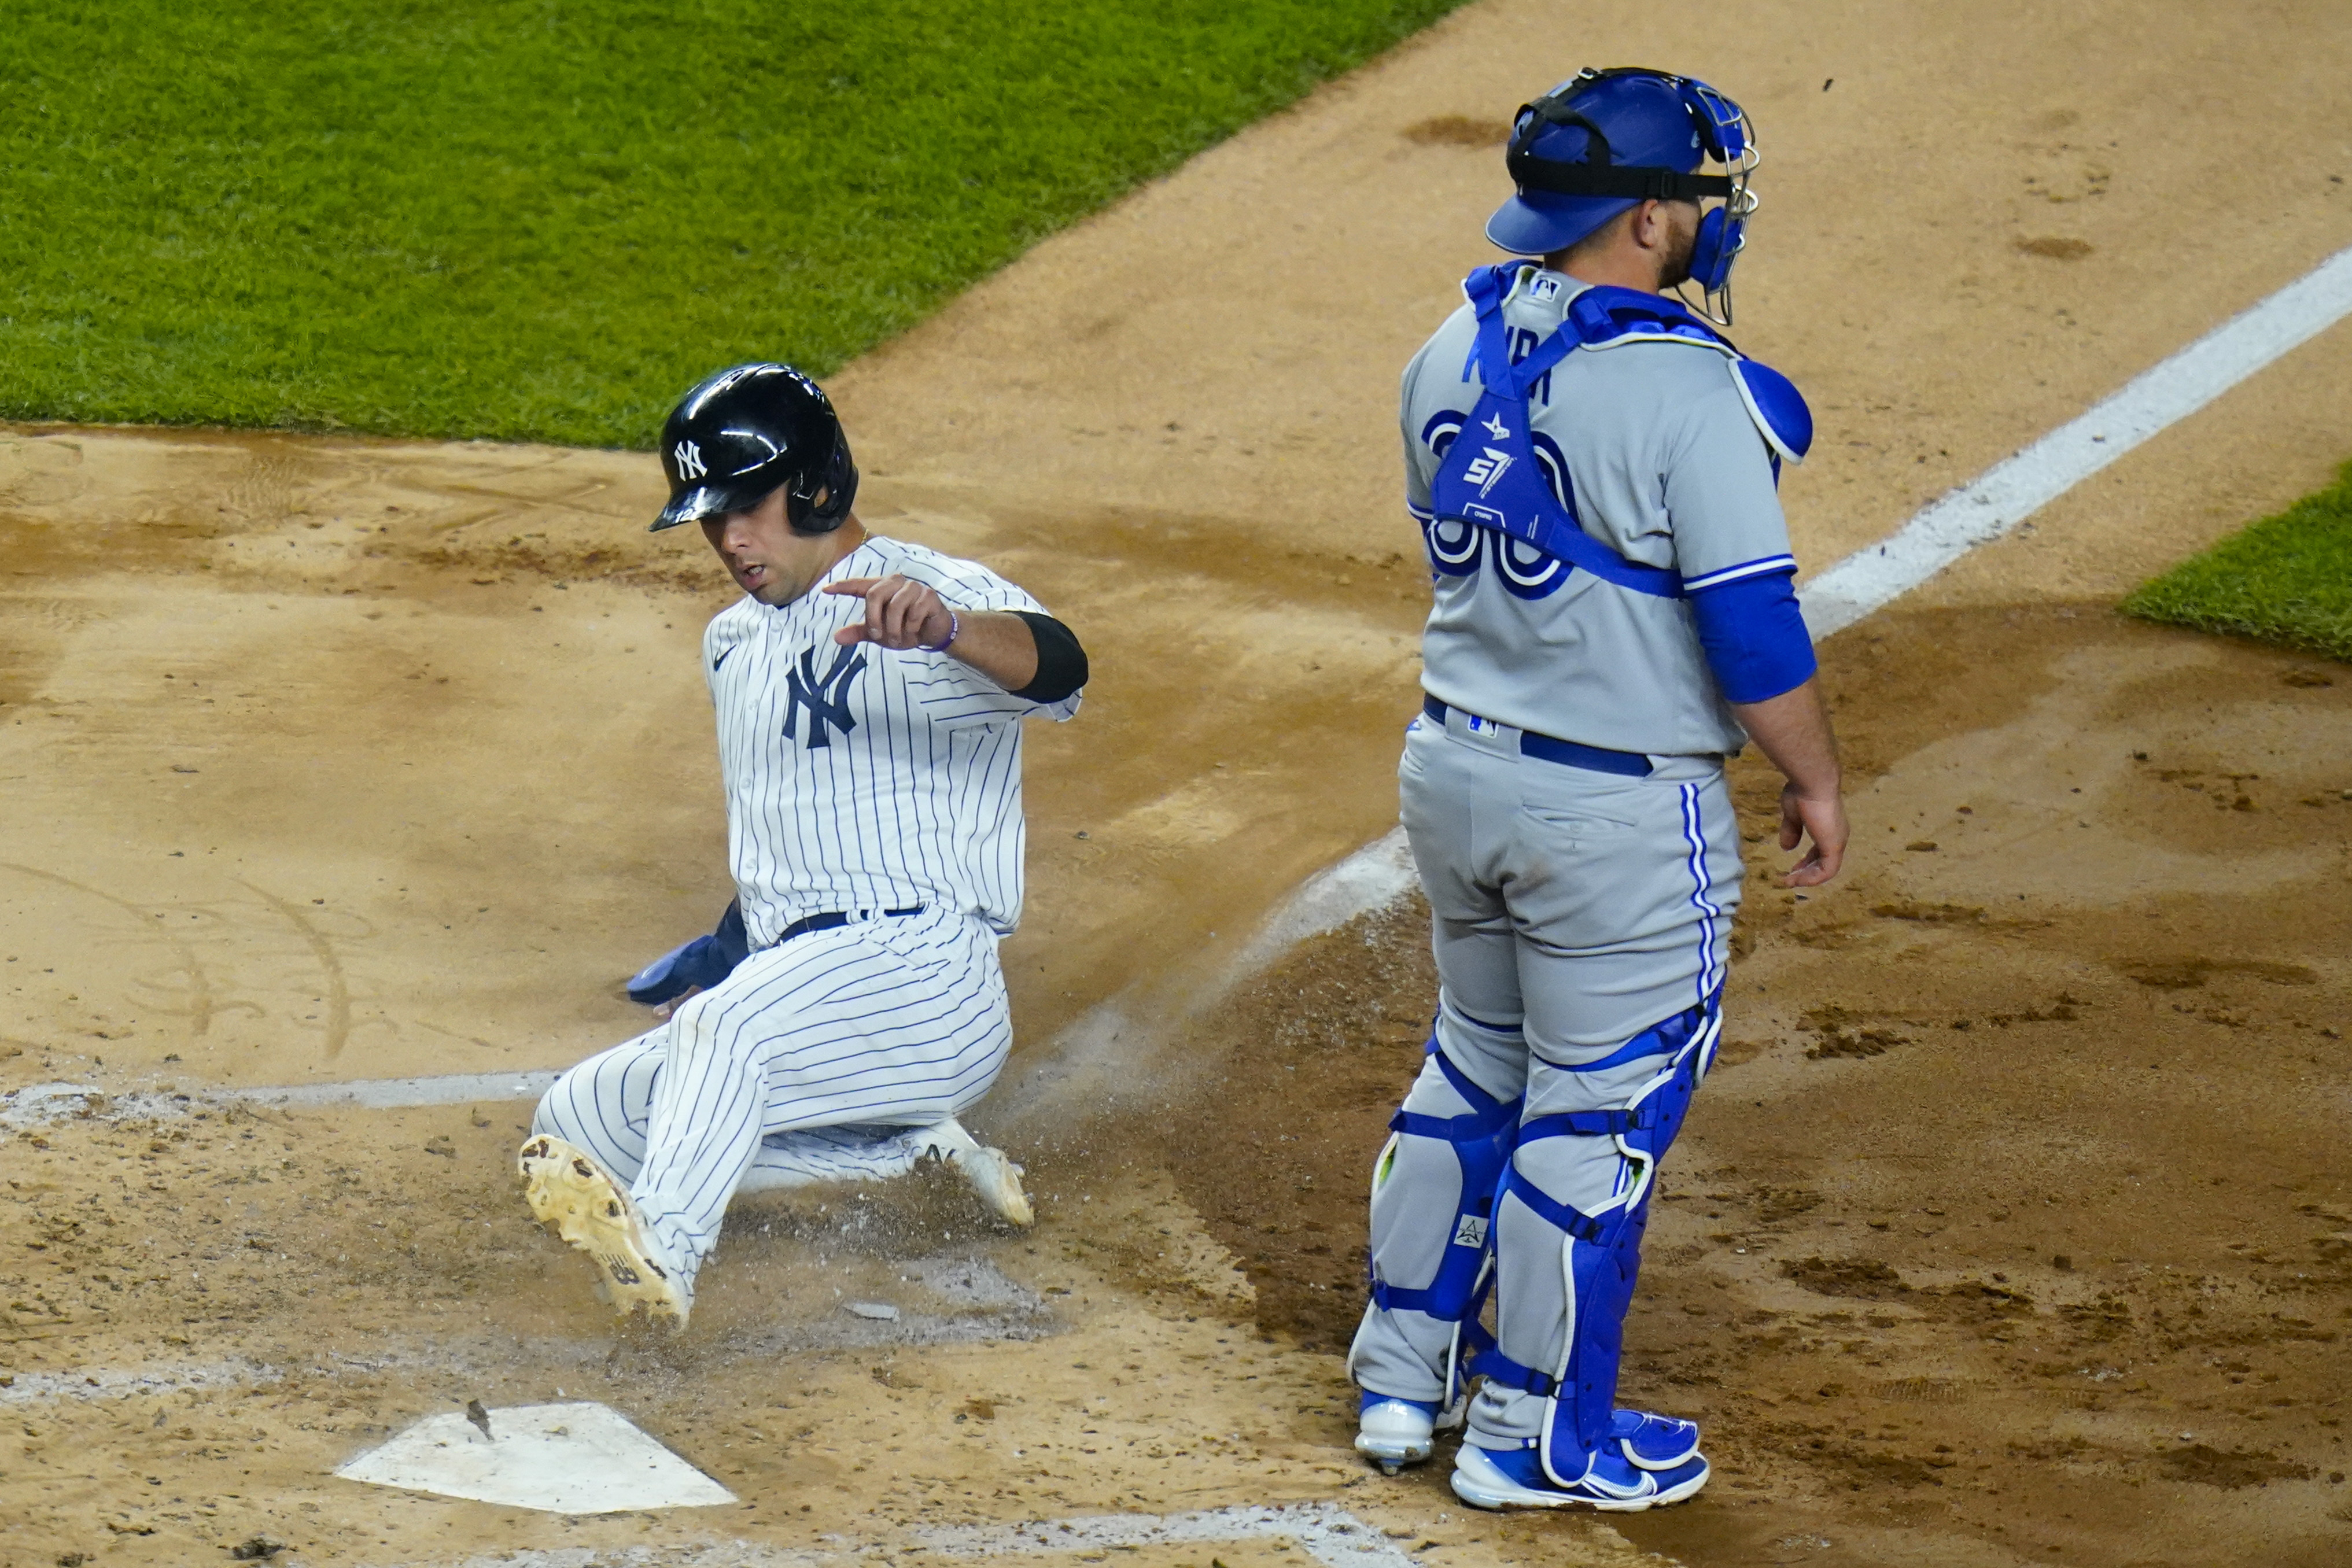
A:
{"x":1490,"y":477}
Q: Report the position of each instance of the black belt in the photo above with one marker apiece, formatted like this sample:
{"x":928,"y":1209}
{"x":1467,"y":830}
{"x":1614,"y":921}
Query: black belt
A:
{"x":831,"y":918}
{"x":1573,"y":753}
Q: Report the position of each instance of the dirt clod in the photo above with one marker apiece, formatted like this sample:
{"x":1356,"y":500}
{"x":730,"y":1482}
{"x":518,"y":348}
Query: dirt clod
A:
{"x":1844,"y":1277}
{"x":2208,"y":1466}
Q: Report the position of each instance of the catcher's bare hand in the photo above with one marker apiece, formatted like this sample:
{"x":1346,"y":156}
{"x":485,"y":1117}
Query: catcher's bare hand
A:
{"x":1823,"y":820}
{"x":899,"y":613}
{"x":676,"y":1002}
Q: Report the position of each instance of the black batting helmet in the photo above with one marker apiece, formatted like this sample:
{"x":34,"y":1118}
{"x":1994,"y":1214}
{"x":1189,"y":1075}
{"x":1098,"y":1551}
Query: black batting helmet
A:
{"x":749,"y":432}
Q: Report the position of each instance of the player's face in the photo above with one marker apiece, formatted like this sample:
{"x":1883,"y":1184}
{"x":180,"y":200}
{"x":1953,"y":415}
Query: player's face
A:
{"x":767,"y":559}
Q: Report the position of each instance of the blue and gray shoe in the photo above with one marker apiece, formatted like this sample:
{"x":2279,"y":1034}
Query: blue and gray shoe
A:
{"x":1483,"y":1478}
{"x":1654,"y":1442}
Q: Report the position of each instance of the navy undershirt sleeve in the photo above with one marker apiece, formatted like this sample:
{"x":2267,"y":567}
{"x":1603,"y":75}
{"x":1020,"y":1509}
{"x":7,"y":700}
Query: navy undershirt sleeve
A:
{"x":1061,"y":663}
{"x":1754,"y":636}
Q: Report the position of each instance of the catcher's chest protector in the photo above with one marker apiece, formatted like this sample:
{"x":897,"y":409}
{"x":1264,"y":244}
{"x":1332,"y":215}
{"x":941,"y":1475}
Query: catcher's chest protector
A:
{"x":1490,"y":477}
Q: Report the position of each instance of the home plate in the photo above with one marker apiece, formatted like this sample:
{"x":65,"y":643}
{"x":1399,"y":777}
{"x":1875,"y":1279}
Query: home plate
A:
{"x":577,"y":1458}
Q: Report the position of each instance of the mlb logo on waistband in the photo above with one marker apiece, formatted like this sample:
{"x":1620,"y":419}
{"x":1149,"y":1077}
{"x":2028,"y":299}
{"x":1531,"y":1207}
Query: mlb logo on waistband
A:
{"x":1478,"y":725}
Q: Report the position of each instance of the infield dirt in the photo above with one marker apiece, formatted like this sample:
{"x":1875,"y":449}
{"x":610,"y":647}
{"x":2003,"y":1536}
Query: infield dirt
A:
{"x":2015,"y":1227}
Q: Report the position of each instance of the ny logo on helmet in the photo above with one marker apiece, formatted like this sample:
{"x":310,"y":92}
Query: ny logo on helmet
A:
{"x":689,"y":461}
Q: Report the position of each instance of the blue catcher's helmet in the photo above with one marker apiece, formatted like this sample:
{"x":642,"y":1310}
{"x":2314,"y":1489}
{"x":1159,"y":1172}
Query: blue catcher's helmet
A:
{"x":1605,"y":140}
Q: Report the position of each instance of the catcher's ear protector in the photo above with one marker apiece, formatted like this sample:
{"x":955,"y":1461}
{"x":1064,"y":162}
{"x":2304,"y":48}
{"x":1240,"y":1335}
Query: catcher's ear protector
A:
{"x":749,"y":432}
{"x":1653,"y":115}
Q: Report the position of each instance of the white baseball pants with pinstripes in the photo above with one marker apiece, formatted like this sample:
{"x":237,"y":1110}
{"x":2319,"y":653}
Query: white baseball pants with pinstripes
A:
{"x":1571,"y":910}
{"x":891,"y":1022}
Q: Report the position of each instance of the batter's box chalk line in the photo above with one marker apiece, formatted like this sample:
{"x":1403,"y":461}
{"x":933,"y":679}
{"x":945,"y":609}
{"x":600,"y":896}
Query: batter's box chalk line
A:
{"x":1324,"y":1532}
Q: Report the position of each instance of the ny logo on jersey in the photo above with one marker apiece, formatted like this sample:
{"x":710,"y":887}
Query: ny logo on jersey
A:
{"x":824,"y":696}
{"x":1487,"y":468}
{"x":689,"y":461}
{"x":1497,"y":428}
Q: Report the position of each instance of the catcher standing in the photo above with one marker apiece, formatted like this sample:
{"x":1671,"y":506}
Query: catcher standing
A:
{"x":1593,"y":468}
{"x":869,"y":696}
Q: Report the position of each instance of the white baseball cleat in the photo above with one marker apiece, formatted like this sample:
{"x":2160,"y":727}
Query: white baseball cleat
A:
{"x":1395,"y":1433}
{"x":571,"y":1194}
{"x":997,"y":1180}
{"x":988,"y":1172}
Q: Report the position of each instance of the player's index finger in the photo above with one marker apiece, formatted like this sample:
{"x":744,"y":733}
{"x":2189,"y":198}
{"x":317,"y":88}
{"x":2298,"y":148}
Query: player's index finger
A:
{"x":860,"y":586}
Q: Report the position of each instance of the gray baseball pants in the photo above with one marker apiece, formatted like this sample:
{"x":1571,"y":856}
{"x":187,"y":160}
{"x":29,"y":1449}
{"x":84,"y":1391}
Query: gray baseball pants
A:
{"x":1572,"y":911}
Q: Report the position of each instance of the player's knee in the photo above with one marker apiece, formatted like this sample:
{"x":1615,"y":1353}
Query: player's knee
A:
{"x":696,"y":1023}
{"x":552,"y":1116}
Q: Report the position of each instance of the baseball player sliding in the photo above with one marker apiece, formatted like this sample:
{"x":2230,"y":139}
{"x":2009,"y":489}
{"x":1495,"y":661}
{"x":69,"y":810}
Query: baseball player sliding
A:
{"x":869,"y":697}
{"x":1593,"y":469}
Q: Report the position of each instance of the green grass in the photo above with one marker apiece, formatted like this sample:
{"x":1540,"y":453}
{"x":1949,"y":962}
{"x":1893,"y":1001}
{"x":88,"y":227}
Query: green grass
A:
{"x":544,"y":219}
{"x":2286,"y":579}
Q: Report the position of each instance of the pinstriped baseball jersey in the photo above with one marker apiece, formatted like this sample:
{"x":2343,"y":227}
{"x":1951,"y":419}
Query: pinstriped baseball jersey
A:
{"x":863,"y":779}
{"x":1654,"y":451}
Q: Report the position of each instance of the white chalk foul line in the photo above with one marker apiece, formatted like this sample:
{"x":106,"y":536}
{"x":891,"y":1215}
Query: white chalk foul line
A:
{"x":2016,"y":488}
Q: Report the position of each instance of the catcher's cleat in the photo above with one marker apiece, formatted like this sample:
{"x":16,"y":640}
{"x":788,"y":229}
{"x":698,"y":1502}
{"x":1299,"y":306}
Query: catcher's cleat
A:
{"x":571,"y":1194}
{"x":1654,"y":1442}
{"x":1394,"y":1433}
{"x":1515,"y":1479}
{"x":988,"y":1172}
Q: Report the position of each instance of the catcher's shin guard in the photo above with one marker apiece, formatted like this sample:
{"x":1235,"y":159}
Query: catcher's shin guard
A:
{"x":1475,"y":1129}
{"x":1599,"y":1252}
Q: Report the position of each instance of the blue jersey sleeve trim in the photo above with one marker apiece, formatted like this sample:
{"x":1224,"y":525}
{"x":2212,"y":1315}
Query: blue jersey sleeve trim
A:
{"x":1756,"y":567}
{"x":1420,"y":513}
{"x":1754,"y":635}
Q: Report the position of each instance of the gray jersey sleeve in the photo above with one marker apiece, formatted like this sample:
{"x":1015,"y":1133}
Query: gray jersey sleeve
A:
{"x":1420,"y":463}
{"x":1721,"y":501}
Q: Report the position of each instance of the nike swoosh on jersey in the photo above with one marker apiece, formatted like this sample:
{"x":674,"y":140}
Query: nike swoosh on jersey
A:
{"x":722,"y":655}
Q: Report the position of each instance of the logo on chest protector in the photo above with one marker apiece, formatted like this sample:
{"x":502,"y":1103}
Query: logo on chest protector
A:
{"x":1486,"y":469}
{"x":824,"y":696}
{"x":1470,"y":1230}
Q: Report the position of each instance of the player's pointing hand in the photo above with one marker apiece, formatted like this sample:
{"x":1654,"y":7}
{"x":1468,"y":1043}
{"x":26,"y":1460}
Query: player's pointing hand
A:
{"x":899,"y":613}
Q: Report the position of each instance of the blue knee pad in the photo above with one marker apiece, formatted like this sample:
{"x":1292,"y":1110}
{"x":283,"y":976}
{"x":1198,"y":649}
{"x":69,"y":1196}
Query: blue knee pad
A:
{"x":1603,"y":1251}
{"x":1481,"y":1142}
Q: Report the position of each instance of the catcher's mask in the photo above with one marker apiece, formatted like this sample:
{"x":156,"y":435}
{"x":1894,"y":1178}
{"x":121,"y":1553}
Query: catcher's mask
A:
{"x":749,"y":432}
{"x":1604,"y":139}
